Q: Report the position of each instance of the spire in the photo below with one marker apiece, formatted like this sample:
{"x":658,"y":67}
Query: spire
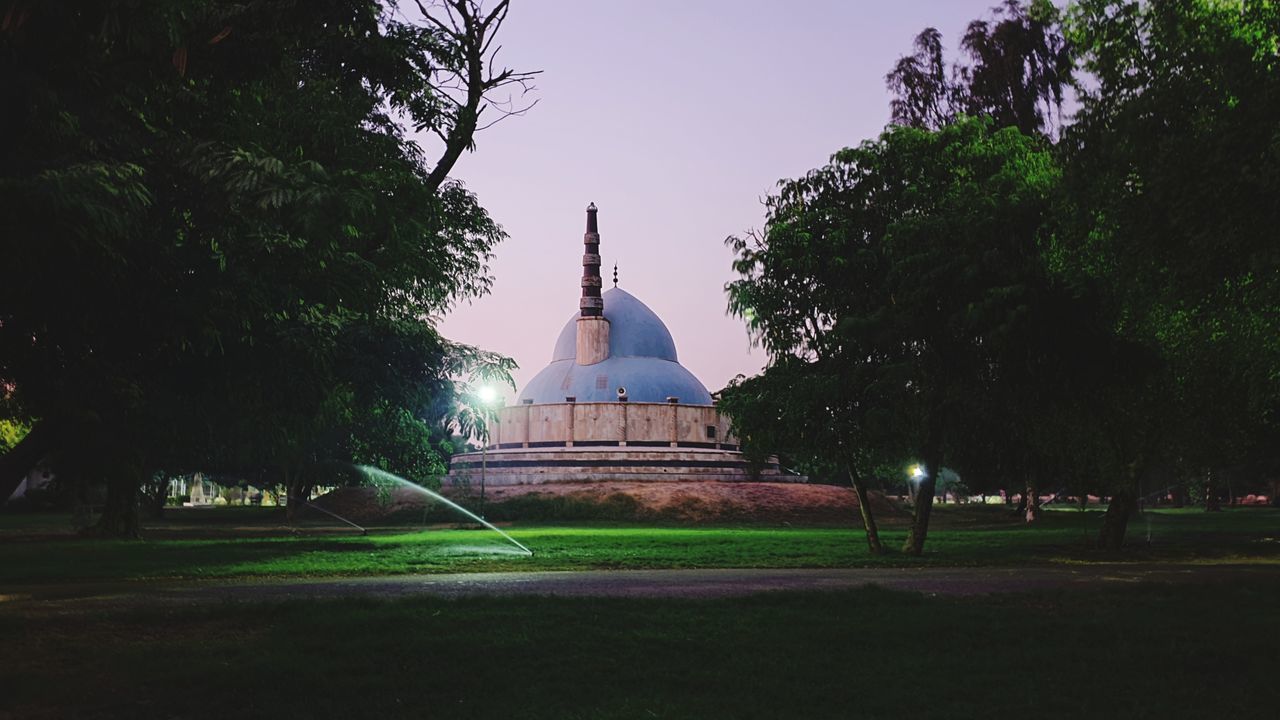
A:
{"x":591,"y":305}
{"x":615,"y":274}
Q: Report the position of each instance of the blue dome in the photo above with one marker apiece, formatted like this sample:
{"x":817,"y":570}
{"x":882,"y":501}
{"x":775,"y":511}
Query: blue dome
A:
{"x":642,"y":358}
{"x":634,"y":331}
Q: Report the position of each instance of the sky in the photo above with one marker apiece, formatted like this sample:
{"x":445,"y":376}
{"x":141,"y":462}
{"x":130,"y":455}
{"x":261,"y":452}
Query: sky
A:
{"x":676,"y":119}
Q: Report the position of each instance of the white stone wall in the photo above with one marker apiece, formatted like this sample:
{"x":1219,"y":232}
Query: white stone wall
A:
{"x":620,"y":422}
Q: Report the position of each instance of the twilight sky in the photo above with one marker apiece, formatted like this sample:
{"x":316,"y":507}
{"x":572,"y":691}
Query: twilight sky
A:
{"x":675,"y":118}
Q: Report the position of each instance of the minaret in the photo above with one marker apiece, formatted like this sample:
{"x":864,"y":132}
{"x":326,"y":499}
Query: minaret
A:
{"x":593,"y":328}
{"x":591,"y":304}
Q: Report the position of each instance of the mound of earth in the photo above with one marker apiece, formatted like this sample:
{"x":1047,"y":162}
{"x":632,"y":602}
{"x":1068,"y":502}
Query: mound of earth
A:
{"x":679,"y":502}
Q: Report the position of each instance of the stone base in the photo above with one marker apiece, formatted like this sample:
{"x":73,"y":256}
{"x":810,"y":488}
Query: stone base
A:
{"x":535,"y":466}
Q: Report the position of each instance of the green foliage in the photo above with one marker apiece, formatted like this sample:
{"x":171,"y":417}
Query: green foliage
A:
{"x":11,"y":432}
{"x":888,"y":288}
{"x":1113,"y":326}
{"x":223,"y":248}
{"x":1173,"y":170}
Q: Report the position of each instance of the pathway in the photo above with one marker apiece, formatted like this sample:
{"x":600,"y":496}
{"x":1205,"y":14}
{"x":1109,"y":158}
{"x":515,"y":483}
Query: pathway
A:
{"x":705,"y":583}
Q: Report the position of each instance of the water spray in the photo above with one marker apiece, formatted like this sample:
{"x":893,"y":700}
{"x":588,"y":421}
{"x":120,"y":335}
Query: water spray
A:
{"x":363,"y":531}
{"x":378,"y":474}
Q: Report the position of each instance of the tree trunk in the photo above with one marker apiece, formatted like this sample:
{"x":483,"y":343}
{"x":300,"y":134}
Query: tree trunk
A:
{"x":290,"y":503}
{"x":1122,"y":507}
{"x":120,"y":512}
{"x":1211,"y":503}
{"x":1032,"y":501}
{"x":864,"y":507}
{"x":155,"y":493}
{"x":298,"y":492}
{"x":81,"y":510}
{"x":924,"y":496}
{"x":156,"y":502}
{"x":15,"y":464}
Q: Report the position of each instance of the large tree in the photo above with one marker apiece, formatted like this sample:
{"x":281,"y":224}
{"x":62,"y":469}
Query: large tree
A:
{"x":1172,"y":169}
{"x":896,"y":266}
{"x":223,"y":246}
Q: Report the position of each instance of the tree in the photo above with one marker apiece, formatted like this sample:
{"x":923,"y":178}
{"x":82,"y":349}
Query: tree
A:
{"x":924,"y":97}
{"x":814,"y":409}
{"x":209,"y":205}
{"x":893,"y":267}
{"x":1172,"y":170}
{"x":1017,"y":69}
{"x":1048,"y":377}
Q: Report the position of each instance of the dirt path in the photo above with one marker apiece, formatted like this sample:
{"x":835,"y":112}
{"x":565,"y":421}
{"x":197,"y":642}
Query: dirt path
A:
{"x":59,"y":599}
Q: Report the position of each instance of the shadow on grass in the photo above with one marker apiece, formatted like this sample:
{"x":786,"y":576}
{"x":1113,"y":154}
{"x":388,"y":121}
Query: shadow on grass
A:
{"x":1126,"y":652}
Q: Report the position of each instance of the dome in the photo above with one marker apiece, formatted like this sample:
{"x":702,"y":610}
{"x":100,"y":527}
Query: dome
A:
{"x":634,"y":331}
{"x":642,"y":358}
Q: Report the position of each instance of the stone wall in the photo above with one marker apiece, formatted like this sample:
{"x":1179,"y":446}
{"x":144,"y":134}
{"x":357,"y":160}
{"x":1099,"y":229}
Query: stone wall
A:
{"x":534,"y":466}
{"x":611,"y":423}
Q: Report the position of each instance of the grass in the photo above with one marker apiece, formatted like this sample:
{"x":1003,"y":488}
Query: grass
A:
{"x":1144,"y":651}
{"x":248,"y":542}
{"x":1139,"y":652}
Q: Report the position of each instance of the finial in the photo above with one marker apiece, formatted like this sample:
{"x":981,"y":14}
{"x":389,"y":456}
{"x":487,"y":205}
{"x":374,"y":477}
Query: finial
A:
{"x":591,"y":218}
{"x":615,"y":274}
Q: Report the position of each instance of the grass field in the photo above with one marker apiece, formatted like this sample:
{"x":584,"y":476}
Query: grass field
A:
{"x":244,"y":542}
{"x":1138,"y":652}
{"x":1143,"y":651}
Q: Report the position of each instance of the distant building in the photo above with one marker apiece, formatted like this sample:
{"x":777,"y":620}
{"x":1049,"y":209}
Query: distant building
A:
{"x":199,"y":490}
{"x":614,"y":404}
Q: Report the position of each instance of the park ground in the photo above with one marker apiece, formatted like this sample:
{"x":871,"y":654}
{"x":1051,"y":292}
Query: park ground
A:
{"x":1205,"y":646}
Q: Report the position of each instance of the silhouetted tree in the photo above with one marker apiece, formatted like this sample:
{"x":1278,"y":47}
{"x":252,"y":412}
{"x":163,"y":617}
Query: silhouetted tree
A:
{"x":1015,"y":70}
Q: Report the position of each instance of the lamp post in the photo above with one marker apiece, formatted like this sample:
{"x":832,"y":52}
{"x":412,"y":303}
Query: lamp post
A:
{"x":484,"y":466}
{"x":915,"y":474}
{"x":487,"y":396}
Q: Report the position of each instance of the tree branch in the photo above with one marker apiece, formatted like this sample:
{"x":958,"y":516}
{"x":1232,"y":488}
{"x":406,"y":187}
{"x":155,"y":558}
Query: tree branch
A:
{"x":472,"y":83}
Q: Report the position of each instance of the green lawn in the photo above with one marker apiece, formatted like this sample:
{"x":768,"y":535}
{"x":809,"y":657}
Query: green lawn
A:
{"x":249,"y":542}
{"x":1138,"y":652}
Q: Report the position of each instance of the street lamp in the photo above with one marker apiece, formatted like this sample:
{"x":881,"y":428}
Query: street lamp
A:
{"x":915,"y":474}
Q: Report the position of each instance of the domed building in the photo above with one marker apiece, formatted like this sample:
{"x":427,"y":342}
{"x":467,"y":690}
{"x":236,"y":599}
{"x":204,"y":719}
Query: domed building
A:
{"x":641,"y":360}
{"x":614,"y":404}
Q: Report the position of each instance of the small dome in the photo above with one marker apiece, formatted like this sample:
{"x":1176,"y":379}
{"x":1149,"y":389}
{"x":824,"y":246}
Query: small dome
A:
{"x":642,"y":358}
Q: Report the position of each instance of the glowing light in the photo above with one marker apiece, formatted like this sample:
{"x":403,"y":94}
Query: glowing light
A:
{"x":916,"y":472}
{"x":487,"y":394}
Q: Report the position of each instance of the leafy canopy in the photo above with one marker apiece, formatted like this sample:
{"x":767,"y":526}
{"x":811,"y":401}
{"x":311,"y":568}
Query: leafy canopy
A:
{"x":223,"y":248}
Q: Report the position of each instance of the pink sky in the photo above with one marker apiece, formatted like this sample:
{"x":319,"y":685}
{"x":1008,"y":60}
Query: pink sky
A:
{"x":675,"y":118}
